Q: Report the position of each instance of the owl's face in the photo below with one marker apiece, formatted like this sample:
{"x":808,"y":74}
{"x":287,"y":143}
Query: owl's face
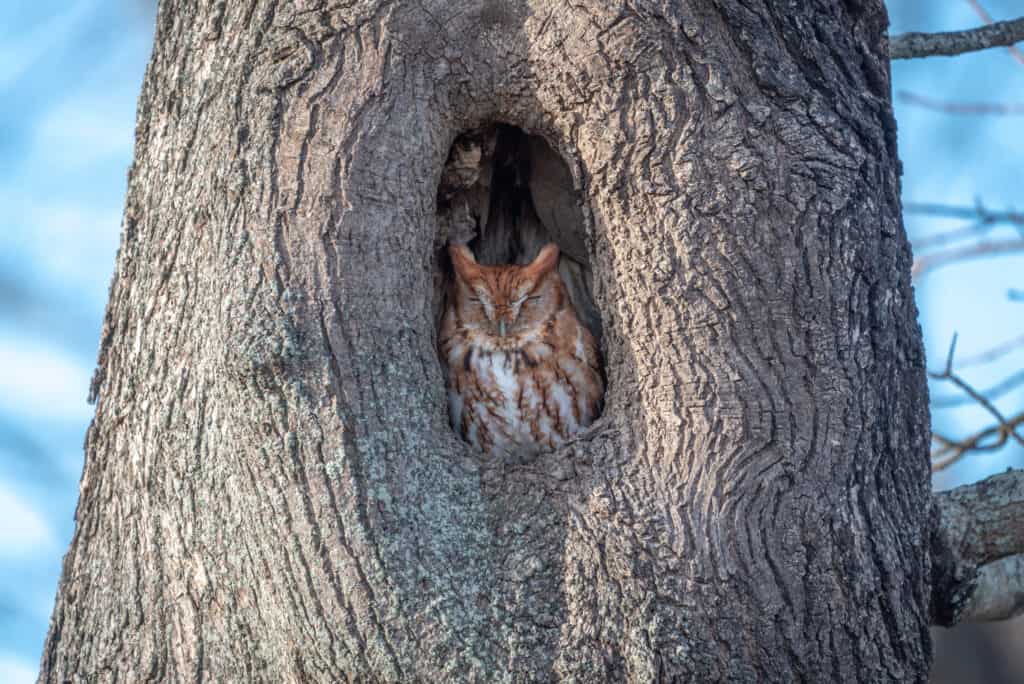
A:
{"x":504,"y":306}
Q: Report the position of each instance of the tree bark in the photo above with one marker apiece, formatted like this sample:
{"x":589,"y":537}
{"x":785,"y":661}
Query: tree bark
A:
{"x":978,"y":551}
{"x":272,"y":491}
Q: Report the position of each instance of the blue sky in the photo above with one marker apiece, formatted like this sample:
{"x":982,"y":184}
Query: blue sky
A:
{"x":69,"y":79}
{"x":957,"y":159}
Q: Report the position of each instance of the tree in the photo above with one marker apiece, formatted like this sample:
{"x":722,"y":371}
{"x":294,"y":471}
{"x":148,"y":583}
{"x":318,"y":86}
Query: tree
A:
{"x":271,"y":488}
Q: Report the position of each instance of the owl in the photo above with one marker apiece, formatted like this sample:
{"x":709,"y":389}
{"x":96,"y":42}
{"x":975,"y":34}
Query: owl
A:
{"x":522,"y":373}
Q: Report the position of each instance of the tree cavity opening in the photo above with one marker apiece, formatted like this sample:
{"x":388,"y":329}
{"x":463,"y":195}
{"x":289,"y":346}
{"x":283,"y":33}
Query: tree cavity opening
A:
{"x":523,"y":372}
{"x":505,"y":194}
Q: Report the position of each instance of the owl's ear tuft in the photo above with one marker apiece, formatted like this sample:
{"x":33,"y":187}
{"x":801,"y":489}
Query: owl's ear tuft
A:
{"x":463,"y":261}
{"x":545,"y":262}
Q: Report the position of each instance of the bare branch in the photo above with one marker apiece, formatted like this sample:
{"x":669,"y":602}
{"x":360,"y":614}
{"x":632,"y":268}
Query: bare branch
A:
{"x":949,"y":358}
{"x":950,"y":450}
{"x":974,"y":394}
{"x":978,"y":212}
{"x":952,"y":107}
{"x":951,"y":236}
{"x":986,"y":518}
{"x":1004,"y":386}
{"x":999,"y":593}
{"x":990,"y":439}
{"x":992,"y":354}
{"x":998,"y":34}
{"x":984,"y":221}
{"x":977,"y":545}
{"x":975,"y":525}
{"x":984,"y":248}
{"x":987,"y":18}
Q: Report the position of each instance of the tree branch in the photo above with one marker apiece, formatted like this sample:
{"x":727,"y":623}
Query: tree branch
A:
{"x":975,"y":526}
{"x":978,"y":212}
{"x":998,"y":34}
{"x":953,"y":107}
{"x":987,"y":18}
{"x":953,"y":236}
{"x":998,"y":390}
{"x":992,"y":353}
{"x":952,"y":450}
{"x":999,"y":594}
{"x":979,"y":249}
{"x":981,"y":441}
{"x":979,"y":397}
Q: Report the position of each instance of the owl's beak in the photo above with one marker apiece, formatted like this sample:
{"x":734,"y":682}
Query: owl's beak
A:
{"x":502,"y":327}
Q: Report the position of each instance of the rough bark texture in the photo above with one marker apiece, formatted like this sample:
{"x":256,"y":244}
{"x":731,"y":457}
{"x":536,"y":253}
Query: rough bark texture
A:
{"x":999,"y":34}
{"x":977,"y":569}
{"x":999,"y":593}
{"x":272,"y":491}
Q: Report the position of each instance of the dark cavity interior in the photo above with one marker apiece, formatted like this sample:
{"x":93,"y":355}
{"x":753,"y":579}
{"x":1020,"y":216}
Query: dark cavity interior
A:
{"x":506,"y":194}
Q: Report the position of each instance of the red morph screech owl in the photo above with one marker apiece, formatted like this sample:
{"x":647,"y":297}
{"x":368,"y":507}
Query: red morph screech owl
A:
{"x":522,"y":372}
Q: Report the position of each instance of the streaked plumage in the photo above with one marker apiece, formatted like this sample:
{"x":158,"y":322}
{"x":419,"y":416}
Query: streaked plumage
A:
{"x":522,"y":372}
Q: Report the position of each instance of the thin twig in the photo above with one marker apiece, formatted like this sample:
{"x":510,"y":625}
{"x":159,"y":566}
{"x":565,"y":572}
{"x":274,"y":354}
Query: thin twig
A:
{"x":952,"y":107}
{"x":950,"y":450}
{"x":949,"y":356}
{"x":1003,"y":429}
{"x":992,"y":353}
{"x":949,"y":237}
{"x":985,"y":219}
{"x":978,"y":212}
{"x":986,"y":248}
{"x":998,"y":34}
{"x":1012,"y":382}
{"x":967,"y":389}
{"x":987,"y":18}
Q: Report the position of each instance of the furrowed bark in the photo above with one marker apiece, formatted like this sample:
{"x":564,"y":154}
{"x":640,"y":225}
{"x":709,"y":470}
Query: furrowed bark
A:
{"x":272,"y":491}
{"x":979,"y":534}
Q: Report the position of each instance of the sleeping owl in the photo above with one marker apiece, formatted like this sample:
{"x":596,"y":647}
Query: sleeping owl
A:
{"x":522,"y":373}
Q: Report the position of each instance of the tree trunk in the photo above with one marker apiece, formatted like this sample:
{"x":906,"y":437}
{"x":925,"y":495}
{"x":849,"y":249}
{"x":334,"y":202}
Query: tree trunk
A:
{"x":272,"y":491}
